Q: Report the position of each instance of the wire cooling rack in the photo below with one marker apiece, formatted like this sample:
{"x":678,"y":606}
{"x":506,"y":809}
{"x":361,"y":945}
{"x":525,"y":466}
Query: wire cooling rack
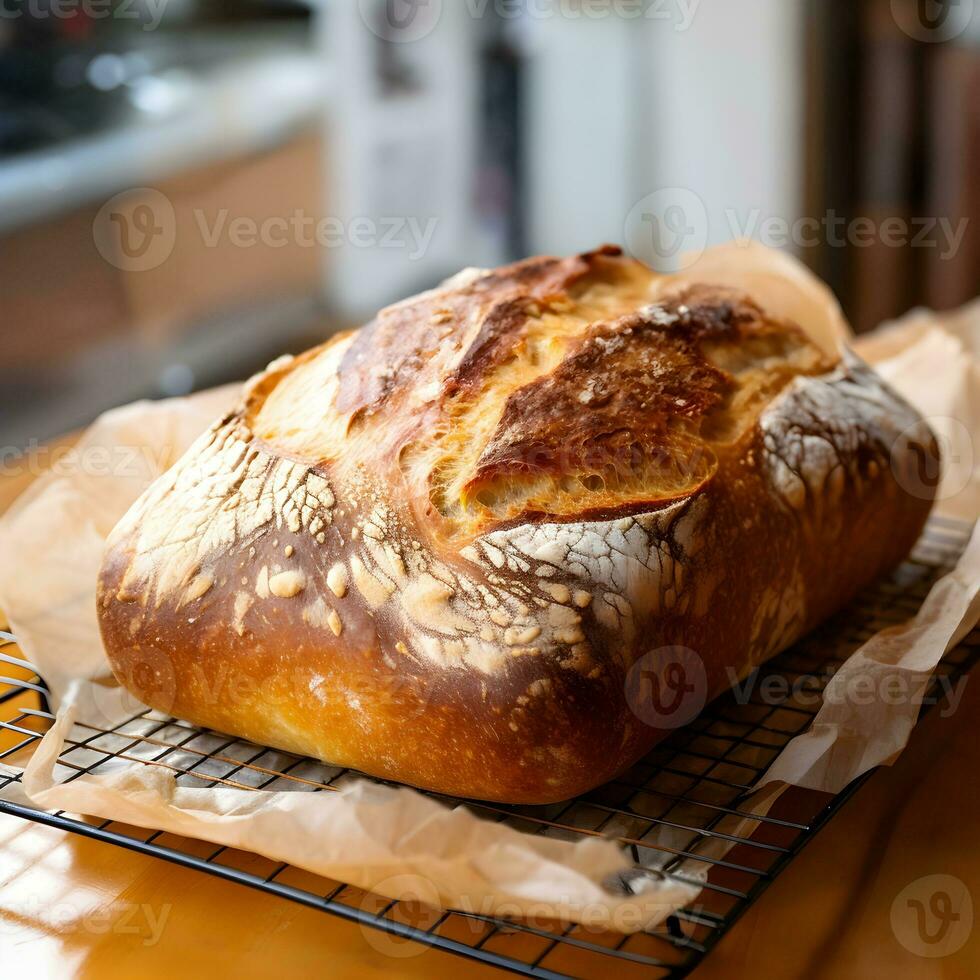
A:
{"x":672,"y":810}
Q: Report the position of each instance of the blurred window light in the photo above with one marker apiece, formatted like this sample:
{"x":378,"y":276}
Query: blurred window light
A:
{"x":161,"y":95}
{"x":106,"y":72}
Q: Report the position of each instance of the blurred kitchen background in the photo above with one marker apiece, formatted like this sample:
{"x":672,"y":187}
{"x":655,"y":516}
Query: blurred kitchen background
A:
{"x":190,"y":187}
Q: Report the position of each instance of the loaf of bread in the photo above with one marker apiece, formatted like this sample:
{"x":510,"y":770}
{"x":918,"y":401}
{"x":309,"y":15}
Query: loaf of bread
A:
{"x":436,"y":549}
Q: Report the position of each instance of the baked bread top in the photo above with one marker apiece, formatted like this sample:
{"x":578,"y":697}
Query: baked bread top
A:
{"x":550,"y":389}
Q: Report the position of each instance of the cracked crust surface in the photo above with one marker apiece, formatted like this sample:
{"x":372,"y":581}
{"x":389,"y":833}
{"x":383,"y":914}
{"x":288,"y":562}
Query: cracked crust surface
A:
{"x":433,"y":549}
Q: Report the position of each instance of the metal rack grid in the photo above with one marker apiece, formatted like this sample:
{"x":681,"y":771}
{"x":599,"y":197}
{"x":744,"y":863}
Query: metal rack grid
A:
{"x":668,"y":809}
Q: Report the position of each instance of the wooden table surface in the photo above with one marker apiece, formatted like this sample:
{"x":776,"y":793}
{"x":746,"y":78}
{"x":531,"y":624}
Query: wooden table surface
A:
{"x":861,"y":901}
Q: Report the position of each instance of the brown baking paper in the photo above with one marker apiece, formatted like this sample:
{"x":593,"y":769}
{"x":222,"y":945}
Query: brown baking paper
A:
{"x":397,"y":841}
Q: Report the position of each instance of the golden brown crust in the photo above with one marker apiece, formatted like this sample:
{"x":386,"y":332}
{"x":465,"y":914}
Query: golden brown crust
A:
{"x":433,"y":550}
{"x":391,"y":352}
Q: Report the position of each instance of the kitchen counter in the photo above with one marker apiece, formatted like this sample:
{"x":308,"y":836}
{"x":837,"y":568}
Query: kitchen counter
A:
{"x":846,"y":907}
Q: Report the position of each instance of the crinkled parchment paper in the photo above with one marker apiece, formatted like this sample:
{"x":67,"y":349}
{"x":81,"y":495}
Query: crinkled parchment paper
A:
{"x":397,"y":841}
{"x":934,"y":361}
